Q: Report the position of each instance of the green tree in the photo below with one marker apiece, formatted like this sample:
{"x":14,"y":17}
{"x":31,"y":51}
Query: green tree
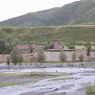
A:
{"x":81,"y":59}
{"x":47,"y":46}
{"x":2,"y":47}
{"x":5,"y":47}
{"x":73,"y":57}
{"x":71,"y":45}
{"x":41,"y":56}
{"x":88,"y":48}
{"x":16,"y":56}
{"x":62,"y":56}
{"x":20,"y":60}
{"x":30,"y":48}
{"x":8,"y":61}
{"x":9,"y":45}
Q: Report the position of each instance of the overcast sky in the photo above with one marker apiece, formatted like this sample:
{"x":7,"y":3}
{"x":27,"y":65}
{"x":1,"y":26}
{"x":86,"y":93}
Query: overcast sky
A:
{"x":13,"y":8}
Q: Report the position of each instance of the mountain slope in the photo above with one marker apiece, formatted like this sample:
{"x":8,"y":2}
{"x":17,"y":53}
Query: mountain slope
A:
{"x":80,"y":12}
{"x":46,"y":34}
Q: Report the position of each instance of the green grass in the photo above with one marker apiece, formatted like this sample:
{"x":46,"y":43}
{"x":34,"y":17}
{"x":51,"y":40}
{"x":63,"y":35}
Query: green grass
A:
{"x":3,"y":84}
{"x":44,"y":34}
{"x":60,"y":79}
{"x":15,"y":74}
{"x":32,"y":74}
{"x":49,"y":74}
{"x":90,"y":90}
{"x":18,"y":79}
{"x":14,"y":81}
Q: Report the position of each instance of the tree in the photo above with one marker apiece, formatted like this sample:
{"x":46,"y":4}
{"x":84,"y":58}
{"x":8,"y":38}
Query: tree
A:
{"x":9,"y":46}
{"x":73,"y":57}
{"x":16,"y":56}
{"x":30,"y":48}
{"x":41,"y":56}
{"x":8,"y":61}
{"x":71,"y":45}
{"x":81,"y":59}
{"x":20,"y":60}
{"x":88,"y":48}
{"x":5,"y":47}
{"x":2,"y":47}
{"x":63,"y":56}
{"x":47,"y":46}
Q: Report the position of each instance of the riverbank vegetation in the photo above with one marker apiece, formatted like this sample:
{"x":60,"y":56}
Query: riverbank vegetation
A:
{"x":90,"y":90}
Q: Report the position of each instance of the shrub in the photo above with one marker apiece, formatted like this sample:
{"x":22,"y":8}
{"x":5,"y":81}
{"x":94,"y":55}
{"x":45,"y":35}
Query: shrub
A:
{"x":71,"y":45}
{"x":5,"y":47}
{"x":81,"y":59}
{"x":63,"y":56}
{"x":16,"y":56}
{"x":73,"y":56}
{"x":41,"y":56}
{"x":88,"y":48}
{"x":90,"y":90}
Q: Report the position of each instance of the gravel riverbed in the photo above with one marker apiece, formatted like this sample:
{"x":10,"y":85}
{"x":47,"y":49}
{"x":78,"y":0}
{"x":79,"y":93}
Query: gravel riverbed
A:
{"x":47,"y":85}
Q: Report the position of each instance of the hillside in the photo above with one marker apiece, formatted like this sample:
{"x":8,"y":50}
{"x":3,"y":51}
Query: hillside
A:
{"x":44,"y":34}
{"x":80,"y":12}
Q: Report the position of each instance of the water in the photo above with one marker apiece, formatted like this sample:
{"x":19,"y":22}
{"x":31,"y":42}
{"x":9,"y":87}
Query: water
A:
{"x":73,"y":83}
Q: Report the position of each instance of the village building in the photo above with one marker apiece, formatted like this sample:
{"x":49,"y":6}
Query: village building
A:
{"x":52,"y":54}
{"x":25,"y":48}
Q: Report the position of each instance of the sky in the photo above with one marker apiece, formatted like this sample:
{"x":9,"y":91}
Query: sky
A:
{"x":13,"y":8}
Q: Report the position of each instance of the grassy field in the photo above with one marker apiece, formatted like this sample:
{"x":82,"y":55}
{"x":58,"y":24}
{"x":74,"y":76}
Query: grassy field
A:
{"x":44,"y":34}
{"x":90,"y":90}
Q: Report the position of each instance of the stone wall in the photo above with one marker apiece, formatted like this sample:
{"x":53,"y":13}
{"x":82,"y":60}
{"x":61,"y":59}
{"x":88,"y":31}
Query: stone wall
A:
{"x":54,"y":55}
{"x":3,"y":58}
